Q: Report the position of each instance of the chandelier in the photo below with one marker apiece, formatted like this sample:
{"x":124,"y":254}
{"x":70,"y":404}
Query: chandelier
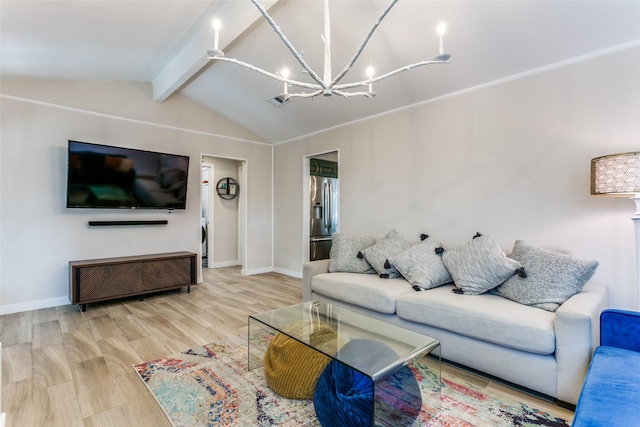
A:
{"x":325,"y":85}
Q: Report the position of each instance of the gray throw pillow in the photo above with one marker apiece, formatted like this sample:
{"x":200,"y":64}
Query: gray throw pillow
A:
{"x":422,"y":265}
{"x":343,"y":256}
{"x":479,"y":266}
{"x":552,"y":277}
{"x":378,"y":255}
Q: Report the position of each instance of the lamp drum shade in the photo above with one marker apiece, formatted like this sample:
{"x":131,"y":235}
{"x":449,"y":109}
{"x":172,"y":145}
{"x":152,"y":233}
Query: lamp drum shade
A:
{"x":616,"y":175}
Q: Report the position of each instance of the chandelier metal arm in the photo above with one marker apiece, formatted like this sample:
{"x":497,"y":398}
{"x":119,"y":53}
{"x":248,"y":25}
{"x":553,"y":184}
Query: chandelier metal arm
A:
{"x":355,"y":57}
{"x":267,"y":73}
{"x":352,"y":94}
{"x":287,"y":43}
{"x":386,"y":75}
{"x":303,"y":94}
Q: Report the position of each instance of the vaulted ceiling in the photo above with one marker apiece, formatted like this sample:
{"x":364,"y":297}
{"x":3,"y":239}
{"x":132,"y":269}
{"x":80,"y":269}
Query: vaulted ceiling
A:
{"x":165,"y":42}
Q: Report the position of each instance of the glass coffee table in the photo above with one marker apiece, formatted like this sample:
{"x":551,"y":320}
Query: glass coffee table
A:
{"x":388,"y":375}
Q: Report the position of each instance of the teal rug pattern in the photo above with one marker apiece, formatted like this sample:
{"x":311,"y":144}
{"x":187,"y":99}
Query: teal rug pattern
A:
{"x":210,"y":386}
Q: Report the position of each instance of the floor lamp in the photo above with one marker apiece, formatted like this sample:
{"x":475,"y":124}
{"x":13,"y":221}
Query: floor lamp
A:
{"x":619,"y":175}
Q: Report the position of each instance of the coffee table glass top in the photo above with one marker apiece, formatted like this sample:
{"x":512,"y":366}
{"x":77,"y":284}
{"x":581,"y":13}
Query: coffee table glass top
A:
{"x":349,"y":326}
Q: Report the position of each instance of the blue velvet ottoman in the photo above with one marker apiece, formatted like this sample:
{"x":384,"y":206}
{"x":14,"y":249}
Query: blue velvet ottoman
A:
{"x":344,"y":397}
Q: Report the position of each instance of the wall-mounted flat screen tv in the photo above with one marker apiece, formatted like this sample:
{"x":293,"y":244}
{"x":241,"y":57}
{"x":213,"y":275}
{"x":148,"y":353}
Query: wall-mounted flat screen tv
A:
{"x":103,"y":176}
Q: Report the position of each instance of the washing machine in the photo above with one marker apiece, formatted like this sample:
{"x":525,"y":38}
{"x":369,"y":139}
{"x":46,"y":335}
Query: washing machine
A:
{"x":203,"y":226}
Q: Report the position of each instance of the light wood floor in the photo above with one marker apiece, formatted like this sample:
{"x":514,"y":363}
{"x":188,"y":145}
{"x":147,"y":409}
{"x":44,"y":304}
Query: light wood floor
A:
{"x":62,"y":367}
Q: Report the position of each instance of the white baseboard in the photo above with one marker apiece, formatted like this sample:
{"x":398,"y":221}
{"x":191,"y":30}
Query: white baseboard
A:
{"x":34,"y":305}
{"x":288,"y":272}
{"x":253,"y":271}
{"x":224,"y":264}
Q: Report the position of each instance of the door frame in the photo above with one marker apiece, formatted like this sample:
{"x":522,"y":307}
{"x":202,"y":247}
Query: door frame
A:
{"x":243,"y":168}
{"x":210,"y":211}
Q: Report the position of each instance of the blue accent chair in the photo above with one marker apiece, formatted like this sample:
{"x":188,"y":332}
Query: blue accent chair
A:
{"x":610,"y":394}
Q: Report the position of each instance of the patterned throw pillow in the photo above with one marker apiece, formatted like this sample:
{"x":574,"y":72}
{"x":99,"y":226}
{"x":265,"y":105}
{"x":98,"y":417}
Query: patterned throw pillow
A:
{"x":422,"y":265}
{"x":552,"y":277}
{"x":479,"y":266}
{"x":343,"y":256}
{"x":378,"y":255}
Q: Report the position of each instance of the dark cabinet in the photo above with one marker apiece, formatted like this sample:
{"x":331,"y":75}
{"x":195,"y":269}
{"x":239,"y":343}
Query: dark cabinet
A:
{"x":324,"y":168}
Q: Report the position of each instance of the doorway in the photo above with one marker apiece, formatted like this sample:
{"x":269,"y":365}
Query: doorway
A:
{"x":223,"y":218}
{"x":321,"y":203}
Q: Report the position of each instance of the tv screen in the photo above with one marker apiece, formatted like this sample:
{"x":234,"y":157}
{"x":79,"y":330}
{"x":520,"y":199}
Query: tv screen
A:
{"x":103,"y":176}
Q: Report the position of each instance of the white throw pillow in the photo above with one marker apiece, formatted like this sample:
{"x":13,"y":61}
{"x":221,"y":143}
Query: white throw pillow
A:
{"x":343,"y":256}
{"x":422,"y":265}
{"x":552,"y":277}
{"x":479,"y":266}
{"x":378,"y":255}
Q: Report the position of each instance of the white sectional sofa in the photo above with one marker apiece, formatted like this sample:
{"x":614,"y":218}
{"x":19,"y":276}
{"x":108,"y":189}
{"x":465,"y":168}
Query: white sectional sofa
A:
{"x":544,"y":351}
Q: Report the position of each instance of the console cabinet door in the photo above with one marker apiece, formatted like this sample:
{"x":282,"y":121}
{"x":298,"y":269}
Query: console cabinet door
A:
{"x":109,"y":281}
{"x":166,"y":273}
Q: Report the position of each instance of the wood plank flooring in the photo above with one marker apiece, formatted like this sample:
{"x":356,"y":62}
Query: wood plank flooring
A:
{"x":62,"y":367}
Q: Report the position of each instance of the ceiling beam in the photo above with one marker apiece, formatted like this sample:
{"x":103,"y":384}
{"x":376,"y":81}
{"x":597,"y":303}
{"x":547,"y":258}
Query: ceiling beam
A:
{"x":236,"y":19}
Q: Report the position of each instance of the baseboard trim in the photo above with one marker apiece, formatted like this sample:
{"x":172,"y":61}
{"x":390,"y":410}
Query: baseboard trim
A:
{"x":224,"y":264}
{"x":288,"y":272}
{"x":34,"y":305}
{"x":251,"y":272}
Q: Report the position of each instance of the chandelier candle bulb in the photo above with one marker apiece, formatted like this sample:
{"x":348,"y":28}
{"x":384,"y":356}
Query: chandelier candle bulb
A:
{"x":441,"y":29}
{"x":285,"y":75}
{"x":370,"y":75}
{"x":216,"y":33}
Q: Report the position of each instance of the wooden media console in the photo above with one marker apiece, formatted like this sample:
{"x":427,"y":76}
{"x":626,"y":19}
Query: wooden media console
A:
{"x":110,"y":278}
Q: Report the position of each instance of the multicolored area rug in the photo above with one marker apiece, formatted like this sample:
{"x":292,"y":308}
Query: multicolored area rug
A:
{"x":210,"y":386}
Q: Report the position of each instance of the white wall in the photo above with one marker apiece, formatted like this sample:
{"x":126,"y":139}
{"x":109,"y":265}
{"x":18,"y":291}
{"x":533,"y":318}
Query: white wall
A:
{"x":39,"y":235}
{"x":511,"y":160}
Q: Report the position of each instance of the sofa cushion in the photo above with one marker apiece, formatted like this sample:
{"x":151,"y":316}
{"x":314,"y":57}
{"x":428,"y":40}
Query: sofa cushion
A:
{"x":363,"y":290}
{"x":611,"y":389}
{"x":485,"y":317}
{"x":479,"y":266}
{"x":378,"y":255}
{"x":343,"y":256}
{"x":552,"y":277}
{"x":422,"y":265}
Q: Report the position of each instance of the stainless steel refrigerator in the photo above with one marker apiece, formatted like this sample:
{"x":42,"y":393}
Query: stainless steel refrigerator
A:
{"x":324,"y":215}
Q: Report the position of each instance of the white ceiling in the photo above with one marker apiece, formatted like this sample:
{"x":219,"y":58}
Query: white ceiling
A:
{"x":164,"y":43}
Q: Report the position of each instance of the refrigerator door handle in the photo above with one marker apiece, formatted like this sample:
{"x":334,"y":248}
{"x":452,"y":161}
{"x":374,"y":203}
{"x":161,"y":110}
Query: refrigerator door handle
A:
{"x":327,"y":204}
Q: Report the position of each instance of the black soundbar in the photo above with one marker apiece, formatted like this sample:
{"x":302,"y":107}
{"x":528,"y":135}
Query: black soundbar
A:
{"x":105,"y":223}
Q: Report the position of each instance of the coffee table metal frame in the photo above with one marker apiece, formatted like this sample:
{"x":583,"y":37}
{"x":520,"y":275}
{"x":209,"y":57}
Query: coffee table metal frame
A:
{"x":412,"y":348}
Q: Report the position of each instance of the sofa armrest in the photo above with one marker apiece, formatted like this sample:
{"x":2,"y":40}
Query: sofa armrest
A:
{"x":310,"y":269}
{"x":620,"y":328}
{"x":577,"y":334}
